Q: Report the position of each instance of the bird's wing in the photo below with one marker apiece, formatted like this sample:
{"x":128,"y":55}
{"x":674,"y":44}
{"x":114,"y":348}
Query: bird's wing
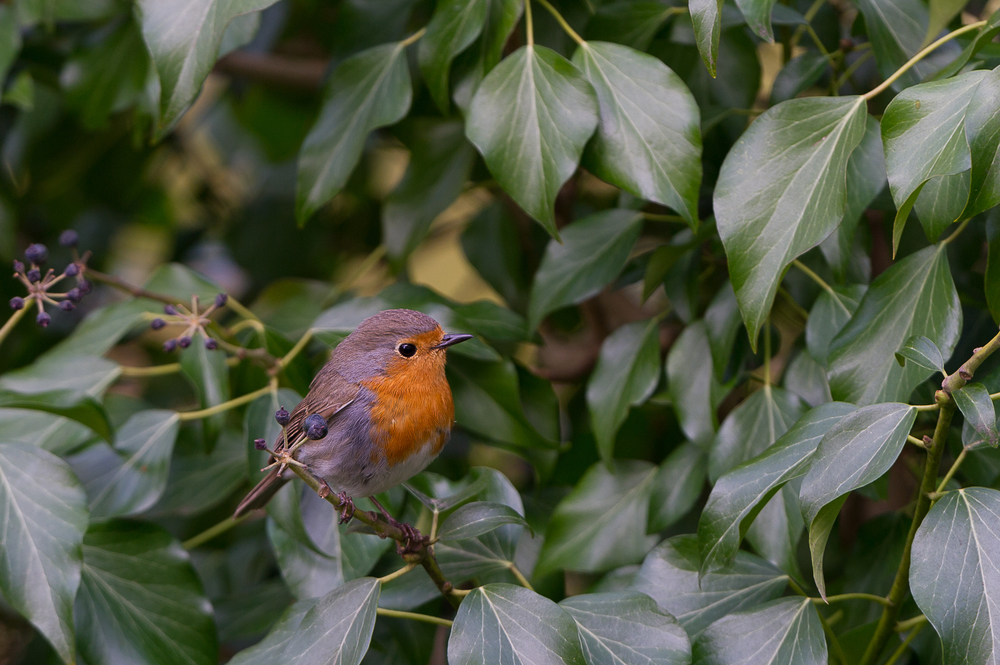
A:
{"x":327,"y":400}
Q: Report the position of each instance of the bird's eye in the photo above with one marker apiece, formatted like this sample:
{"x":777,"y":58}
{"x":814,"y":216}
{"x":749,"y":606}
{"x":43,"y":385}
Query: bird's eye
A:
{"x":407,"y":350}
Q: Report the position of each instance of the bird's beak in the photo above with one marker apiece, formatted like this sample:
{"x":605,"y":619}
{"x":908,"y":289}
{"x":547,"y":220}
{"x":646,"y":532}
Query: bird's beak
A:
{"x":451,"y":340}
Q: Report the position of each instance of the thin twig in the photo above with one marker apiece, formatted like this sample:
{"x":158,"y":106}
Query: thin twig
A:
{"x":426,"y":618}
{"x":231,"y":404}
{"x":11,"y":322}
{"x":212,"y":532}
{"x":822,"y":284}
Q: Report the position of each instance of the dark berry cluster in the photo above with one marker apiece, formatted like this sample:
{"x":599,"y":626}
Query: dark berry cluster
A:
{"x":193,"y":318}
{"x":40,"y":285}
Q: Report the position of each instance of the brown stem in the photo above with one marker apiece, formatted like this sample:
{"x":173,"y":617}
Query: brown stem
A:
{"x":122,"y":285}
{"x":273,"y":68}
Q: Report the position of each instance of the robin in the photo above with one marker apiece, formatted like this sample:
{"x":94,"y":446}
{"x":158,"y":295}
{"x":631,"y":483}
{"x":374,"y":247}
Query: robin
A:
{"x":377,"y":413}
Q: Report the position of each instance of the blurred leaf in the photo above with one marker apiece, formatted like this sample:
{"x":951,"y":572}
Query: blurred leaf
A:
{"x":183,"y":37}
{"x":915,"y":296}
{"x":670,"y":576}
{"x":478,"y":518}
{"x":490,"y":242}
{"x":181,"y":282}
{"x":129,"y":478}
{"x":897,"y":29}
{"x":50,"y":11}
{"x":941,"y":14}
{"x":626,"y":374}
{"x":440,"y":161}
{"x":758,"y":16}
{"x":140,"y":599}
{"x":924,"y":137}
{"x":501,"y":18}
{"x":21,"y":93}
{"x":272,"y":647}
{"x":752,"y":427}
{"x":55,"y":434}
{"x":538,"y":96}
{"x":627,"y":627}
{"x":590,"y":255}
{"x":769,"y":204}
{"x":102,"y":328}
{"x":308,"y":573}
{"x":502,"y":623}
{"x":974,"y":402}
{"x":601,"y":524}
{"x":453,"y":27}
{"x":199,"y":481}
{"x":982,"y":38}
{"x":739,"y":494}
{"x":982,"y":129}
{"x":722,"y":323}
{"x":782,"y":632}
{"x":369,"y":90}
{"x":85,"y":374}
{"x":854,"y":452}
{"x":798,"y":75}
{"x":692,"y":385}
{"x":828,"y":316}
{"x":923,"y":352}
{"x":631,"y":23}
{"x":76,"y":406}
{"x":677,"y":486}
{"x":806,"y":378}
{"x":208,"y":374}
{"x":954,"y":574}
{"x":648,"y":140}
{"x":10,"y":40}
{"x":706,"y":17}
{"x":45,"y":513}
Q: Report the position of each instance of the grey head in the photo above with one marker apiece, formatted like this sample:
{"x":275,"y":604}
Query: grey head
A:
{"x":374,"y":343}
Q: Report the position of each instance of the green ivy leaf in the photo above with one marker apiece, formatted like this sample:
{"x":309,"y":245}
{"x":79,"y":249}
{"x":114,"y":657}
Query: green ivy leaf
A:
{"x":648,"y":140}
{"x":694,"y":391}
{"x":915,"y":296}
{"x":739,"y":494}
{"x":85,"y":374}
{"x":828,"y":316}
{"x":954,"y":574}
{"x":184,"y":37}
{"x":627,"y":627}
{"x":601,"y":524}
{"x":503,"y":623}
{"x":270,"y":649}
{"x":758,"y":16}
{"x":806,"y":378}
{"x":45,"y":518}
{"x":982,"y":129}
{"x":941,"y":14}
{"x":854,"y":452}
{"x":723,"y":323}
{"x":626,"y":374}
{"x":55,"y":434}
{"x":706,"y":18}
{"x":677,"y":486}
{"x":670,"y":576}
{"x":141,"y":599}
{"x":974,"y":402}
{"x":982,"y":38}
{"x":74,"y":405}
{"x":923,"y":352}
{"x":10,"y":40}
{"x":631,"y":23}
{"x":897,"y":29}
{"x":591,"y":254}
{"x":477,"y":518}
{"x":799,"y":74}
{"x":782,"y":632}
{"x":208,"y":374}
{"x":501,"y":18}
{"x":369,"y":90}
{"x":452,"y":29}
{"x":199,"y":480}
{"x":781,"y":191}
{"x":130,"y":477}
{"x":752,"y":427}
{"x":537,"y":96}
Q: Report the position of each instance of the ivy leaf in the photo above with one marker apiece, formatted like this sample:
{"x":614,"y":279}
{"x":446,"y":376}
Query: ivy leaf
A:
{"x":752,"y":427}
{"x":477,"y":518}
{"x":501,"y":18}
{"x":183,"y":37}
{"x":140,"y":599}
{"x":453,"y":27}
{"x":130,"y":477}
{"x":786,"y":631}
{"x":854,"y":452}
{"x":369,"y":90}
{"x":80,"y":373}
{"x":781,"y":191}
{"x":897,"y":29}
{"x":758,"y":16}
{"x":592,"y":253}
{"x":45,"y":513}
{"x":10,"y":40}
{"x":706,"y":18}
{"x":974,"y":402}
{"x":739,"y":494}
{"x":648,"y":140}
{"x":627,"y":371}
{"x":829,"y":315}
{"x":923,"y":130}
{"x":198,"y":481}
{"x":723,"y":323}
{"x":982,"y":129}
{"x":922,"y":351}
{"x":627,"y":627}
{"x":670,"y":576}
{"x":941,"y":14}
{"x":694,"y":391}
{"x":634,"y":24}
{"x":271,"y":648}
{"x":503,"y":623}
{"x":540,"y":100}
{"x":208,"y":374}
{"x":982,"y":38}
{"x":677,"y":485}
{"x":914,"y":297}
{"x":799,"y":74}
{"x":75,"y":405}
{"x":954,"y":574}
{"x":601,"y":524}
{"x":806,"y":378}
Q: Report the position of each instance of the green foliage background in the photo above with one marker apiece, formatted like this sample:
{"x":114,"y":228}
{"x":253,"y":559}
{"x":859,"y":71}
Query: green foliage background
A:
{"x":717,"y":258}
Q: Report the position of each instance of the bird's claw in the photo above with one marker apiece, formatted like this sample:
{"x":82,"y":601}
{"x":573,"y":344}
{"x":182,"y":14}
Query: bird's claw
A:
{"x":346,"y":507}
{"x":413,"y":540}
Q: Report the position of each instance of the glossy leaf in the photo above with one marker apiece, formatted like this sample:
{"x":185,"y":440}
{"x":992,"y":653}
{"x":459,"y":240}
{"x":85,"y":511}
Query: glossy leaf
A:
{"x":55,"y":434}
{"x":677,"y":485}
{"x":758,"y":16}
{"x":634,"y":24}
{"x":369,"y":90}
{"x":828,"y":316}
{"x":723,"y":323}
{"x":897,"y":29}
{"x":739,"y":495}
{"x":130,"y":477}
{"x":955,"y":574}
{"x":272,"y":647}
{"x":140,"y":599}
{"x":601,"y":524}
{"x":982,"y":38}
{"x":799,"y":74}
{"x":974,"y":402}
{"x":530,"y":119}
{"x":208,"y":374}
{"x":752,"y":427}
{"x":502,"y":623}
{"x":198,"y":481}
{"x":914,"y":297}
{"x":670,"y":576}
{"x":982,"y":128}
{"x":501,"y":18}
{"x":921,"y":351}
{"x":475,"y":519}
{"x":853,"y":453}
{"x":694,"y":391}
{"x":706,"y":18}
{"x":782,"y":632}
{"x":591,"y":254}
{"x":806,"y":378}
{"x":627,"y":371}
{"x":781,"y":191}
{"x":627,"y":627}
{"x":184,"y":38}
{"x":85,"y":374}
{"x":453,"y":27}
{"x":648,"y":140}
{"x":77,"y":406}
{"x":45,"y":513}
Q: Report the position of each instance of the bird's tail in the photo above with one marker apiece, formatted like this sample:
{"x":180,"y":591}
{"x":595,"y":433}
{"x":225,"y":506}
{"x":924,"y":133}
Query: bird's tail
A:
{"x":261,"y":493}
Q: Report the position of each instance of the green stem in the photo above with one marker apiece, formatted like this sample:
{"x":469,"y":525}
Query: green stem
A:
{"x":413,"y":38}
{"x":12,"y":321}
{"x":838,"y":650}
{"x":212,"y":532}
{"x":521,"y":579}
{"x":958,"y":232}
{"x":767,"y":353}
{"x":852,"y":596}
{"x":426,"y":618}
{"x":295,"y":350}
{"x":845,"y":77}
{"x":920,"y":56}
{"x":821,"y":283}
{"x":656,"y":217}
{"x":397,"y":573}
{"x":529,"y":24}
{"x":903,"y":626}
{"x":951,"y":472}
{"x":562,"y":22}
{"x":906,"y":643}
{"x":231,"y":404}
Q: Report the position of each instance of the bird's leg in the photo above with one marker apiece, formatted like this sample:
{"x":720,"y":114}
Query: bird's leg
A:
{"x":346,"y":506}
{"x":414,"y":540}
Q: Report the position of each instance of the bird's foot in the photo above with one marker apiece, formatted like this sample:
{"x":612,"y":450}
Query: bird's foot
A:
{"x":346,"y":507}
{"x":414,"y":540}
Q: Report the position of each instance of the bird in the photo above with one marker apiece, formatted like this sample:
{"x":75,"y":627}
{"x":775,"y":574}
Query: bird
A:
{"x":378,"y":412}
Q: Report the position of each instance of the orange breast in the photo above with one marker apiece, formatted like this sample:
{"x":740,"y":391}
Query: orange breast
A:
{"x":413,"y":405}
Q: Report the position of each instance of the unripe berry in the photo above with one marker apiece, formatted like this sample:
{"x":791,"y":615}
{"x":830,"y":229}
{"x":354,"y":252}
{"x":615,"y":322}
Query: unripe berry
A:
{"x":211,"y":344}
{"x":43,"y":319}
{"x":17,"y":303}
{"x":72,"y":270}
{"x":170,"y":345}
{"x":220,"y":300}
{"x":170,"y":309}
{"x":282,"y":416}
{"x":315,"y":426}
{"x":37,"y":253}
{"x":69,"y":238}
{"x":34,"y":275}
{"x":74,"y":295}
{"x":260,"y":444}
{"x":18,"y":266}
{"x":84,"y":286}
{"x":184,"y":342}
{"x":66,"y":305}
{"x":157,"y":324}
